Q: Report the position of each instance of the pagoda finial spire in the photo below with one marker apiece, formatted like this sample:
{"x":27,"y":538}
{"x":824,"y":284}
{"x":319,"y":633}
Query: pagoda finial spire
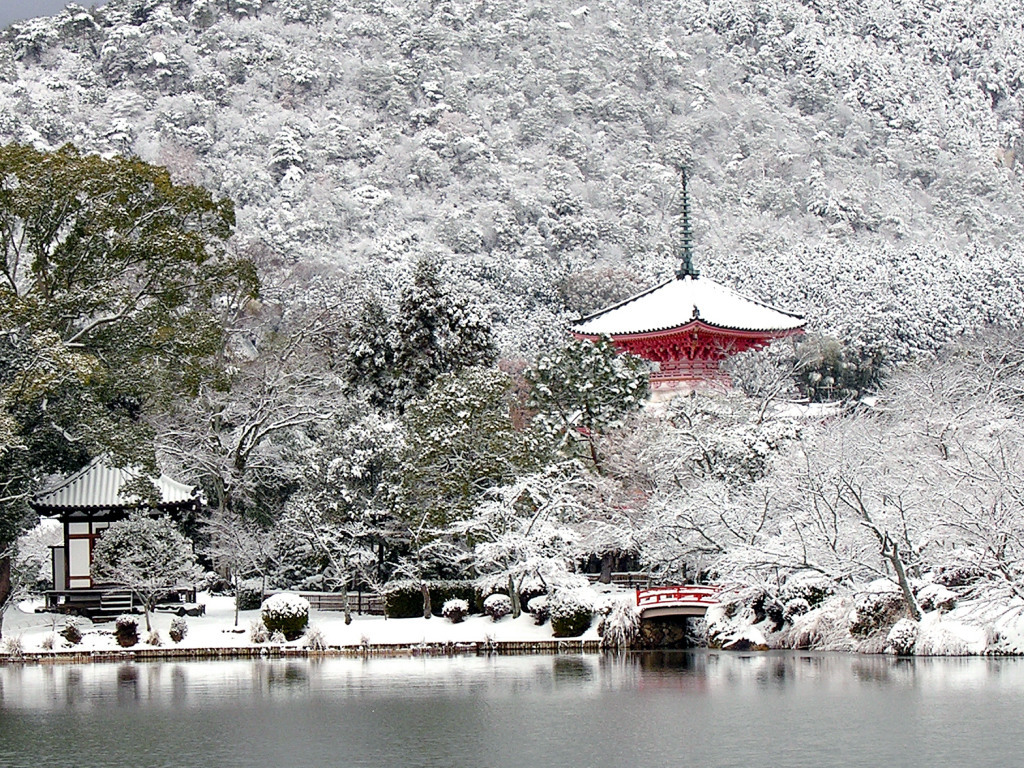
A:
{"x":686,"y":268}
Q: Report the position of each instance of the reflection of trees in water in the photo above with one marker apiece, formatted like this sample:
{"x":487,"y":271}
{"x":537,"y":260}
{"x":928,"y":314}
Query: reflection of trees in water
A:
{"x":572,"y":668}
{"x":127,"y":683}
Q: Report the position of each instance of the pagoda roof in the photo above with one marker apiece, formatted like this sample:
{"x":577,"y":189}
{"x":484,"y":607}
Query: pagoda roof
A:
{"x":683,"y":300}
{"x":100,"y":486}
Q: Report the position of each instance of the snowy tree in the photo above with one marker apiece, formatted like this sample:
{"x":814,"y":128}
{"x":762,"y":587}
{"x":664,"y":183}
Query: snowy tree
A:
{"x":434,"y":331}
{"x":147,"y":555}
{"x":584,"y":389}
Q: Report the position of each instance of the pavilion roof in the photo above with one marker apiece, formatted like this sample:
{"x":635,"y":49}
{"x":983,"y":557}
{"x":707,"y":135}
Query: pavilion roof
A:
{"x":683,"y":300}
{"x":100,"y":486}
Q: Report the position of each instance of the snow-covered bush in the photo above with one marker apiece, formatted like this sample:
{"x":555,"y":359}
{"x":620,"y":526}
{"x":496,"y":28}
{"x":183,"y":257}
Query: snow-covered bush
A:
{"x":455,"y":610}
{"x":902,"y":638}
{"x":72,"y":631}
{"x":315,"y":640}
{"x":813,"y":588}
{"x":620,"y":628}
{"x":48,"y":642}
{"x":178,"y":630}
{"x":571,"y":612}
{"x":257,"y":632}
{"x":153,"y":638}
{"x":497,"y":606}
{"x":538,"y":606}
{"x":278,"y":638}
{"x":935,"y":597}
{"x":798,"y":606}
{"x":876,"y":608}
{"x":250,"y":594}
{"x":285,"y":613}
{"x":126,"y":631}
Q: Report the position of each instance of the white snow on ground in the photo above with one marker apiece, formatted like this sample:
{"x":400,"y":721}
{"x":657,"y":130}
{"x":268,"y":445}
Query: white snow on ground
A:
{"x":216,"y":629}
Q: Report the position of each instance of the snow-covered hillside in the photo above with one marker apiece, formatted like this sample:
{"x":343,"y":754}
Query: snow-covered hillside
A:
{"x":854,"y":160}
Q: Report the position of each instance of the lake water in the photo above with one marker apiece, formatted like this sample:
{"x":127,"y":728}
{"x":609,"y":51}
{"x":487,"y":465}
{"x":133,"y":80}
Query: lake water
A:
{"x":652,"y":709}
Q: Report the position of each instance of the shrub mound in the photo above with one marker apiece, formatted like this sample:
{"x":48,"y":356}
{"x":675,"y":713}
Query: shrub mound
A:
{"x":285,"y":613}
{"x":571,"y":613}
{"x":455,"y":610}
{"x":178,"y":630}
{"x":126,"y":631}
{"x":404,"y":599}
{"x":497,"y":606}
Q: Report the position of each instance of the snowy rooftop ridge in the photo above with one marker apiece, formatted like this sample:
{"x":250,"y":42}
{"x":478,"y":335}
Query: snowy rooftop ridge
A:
{"x":682,"y":300}
{"x":99,"y":485}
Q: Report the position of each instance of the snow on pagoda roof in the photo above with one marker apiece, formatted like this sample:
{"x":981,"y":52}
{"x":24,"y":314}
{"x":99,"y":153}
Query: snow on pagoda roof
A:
{"x":99,"y":485}
{"x":681,"y":301}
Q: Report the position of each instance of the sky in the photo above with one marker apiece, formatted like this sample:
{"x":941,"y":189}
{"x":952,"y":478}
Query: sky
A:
{"x":16,"y":10}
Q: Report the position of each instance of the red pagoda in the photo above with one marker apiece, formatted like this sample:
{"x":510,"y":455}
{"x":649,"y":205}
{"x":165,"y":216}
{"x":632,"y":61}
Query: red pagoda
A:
{"x":689,"y":324}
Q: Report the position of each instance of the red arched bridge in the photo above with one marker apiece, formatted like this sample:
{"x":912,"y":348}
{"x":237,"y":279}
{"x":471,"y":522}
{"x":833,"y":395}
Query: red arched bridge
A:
{"x":687,"y":600}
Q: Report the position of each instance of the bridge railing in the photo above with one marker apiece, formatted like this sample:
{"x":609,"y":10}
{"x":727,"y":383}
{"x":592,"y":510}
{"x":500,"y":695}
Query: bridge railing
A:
{"x":691,"y":594}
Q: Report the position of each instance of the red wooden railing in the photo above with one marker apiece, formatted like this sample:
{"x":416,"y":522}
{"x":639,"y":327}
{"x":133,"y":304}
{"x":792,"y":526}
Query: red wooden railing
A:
{"x":685,"y":596}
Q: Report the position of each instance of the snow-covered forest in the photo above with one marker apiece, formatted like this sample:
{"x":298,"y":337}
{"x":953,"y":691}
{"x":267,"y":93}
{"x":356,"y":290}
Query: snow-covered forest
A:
{"x":431,"y":191}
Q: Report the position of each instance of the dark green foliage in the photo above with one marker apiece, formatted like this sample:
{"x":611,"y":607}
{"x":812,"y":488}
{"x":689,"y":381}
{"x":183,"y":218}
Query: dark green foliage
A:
{"x":570,"y":621}
{"x":249,"y":595}
{"x":434,"y":332}
{"x":828,"y":370}
{"x":106,"y":308}
{"x":288,"y":620}
{"x":126,"y":631}
{"x":584,"y":389}
{"x":404,"y":599}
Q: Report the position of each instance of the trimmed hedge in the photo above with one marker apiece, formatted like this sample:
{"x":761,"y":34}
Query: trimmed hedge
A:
{"x":404,"y":599}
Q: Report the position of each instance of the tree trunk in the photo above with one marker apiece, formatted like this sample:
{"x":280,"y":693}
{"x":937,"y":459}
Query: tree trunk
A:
{"x":426,"y":600}
{"x":238,"y":584}
{"x":513,"y":596}
{"x":5,"y":588}
{"x":345,"y":601}
{"x":606,"y":568}
{"x":893,"y":554}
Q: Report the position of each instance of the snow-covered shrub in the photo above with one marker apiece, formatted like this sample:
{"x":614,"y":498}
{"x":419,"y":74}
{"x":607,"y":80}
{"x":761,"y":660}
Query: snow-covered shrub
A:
{"x":876,"y":608}
{"x":13,"y":647}
{"x":958,"y":576}
{"x":48,"y":642}
{"x":798,"y":606}
{"x":497,"y":606}
{"x":278,"y":638}
{"x":935,"y":597}
{"x":455,"y":610}
{"x":249,"y":595}
{"x":824,"y":629}
{"x":178,"y":630}
{"x":257,"y":632}
{"x":813,"y":588}
{"x":126,"y":631}
{"x":153,"y":638}
{"x":620,"y":628}
{"x":902,"y":638}
{"x":285,"y":613}
{"x":571,"y":612}
{"x":539,"y":608}
{"x":315,"y":640}
{"x":72,"y":631}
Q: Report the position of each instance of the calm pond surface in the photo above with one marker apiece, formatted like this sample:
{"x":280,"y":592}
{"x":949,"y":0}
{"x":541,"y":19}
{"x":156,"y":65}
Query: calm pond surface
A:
{"x":651,"y":709}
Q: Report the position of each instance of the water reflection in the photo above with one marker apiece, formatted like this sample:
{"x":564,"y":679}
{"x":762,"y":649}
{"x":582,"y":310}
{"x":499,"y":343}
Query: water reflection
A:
{"x":716,"y":708}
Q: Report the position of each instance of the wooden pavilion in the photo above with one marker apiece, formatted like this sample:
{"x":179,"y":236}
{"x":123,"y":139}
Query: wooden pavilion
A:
{"x":688,"y":325}
{"x":86,"y":503}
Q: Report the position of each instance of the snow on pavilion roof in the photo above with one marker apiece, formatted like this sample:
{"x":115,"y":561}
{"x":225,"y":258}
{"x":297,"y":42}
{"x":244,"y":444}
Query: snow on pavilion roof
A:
{"x":99,"y":486}
{"x":681,"y":301}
